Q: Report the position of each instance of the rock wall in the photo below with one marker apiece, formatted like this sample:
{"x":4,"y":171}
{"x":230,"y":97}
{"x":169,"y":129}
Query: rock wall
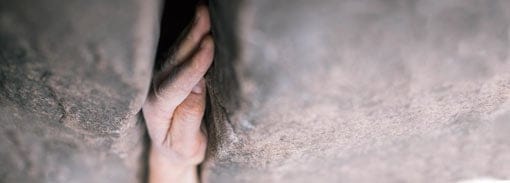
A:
{"x":73,"y":75}
{"x":360,"y":91}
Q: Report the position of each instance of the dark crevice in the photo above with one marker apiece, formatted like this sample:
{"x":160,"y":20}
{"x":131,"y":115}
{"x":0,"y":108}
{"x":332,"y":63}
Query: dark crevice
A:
{"x":176,"y":16}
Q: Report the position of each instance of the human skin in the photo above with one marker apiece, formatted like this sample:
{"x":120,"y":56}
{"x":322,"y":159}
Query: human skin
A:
{"x":175,"y":107}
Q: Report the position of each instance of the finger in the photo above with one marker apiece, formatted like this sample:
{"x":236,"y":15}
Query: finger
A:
{"x":157,"y":122}
{"x":160,"y":106}
{"x":200,"y":28}
{"x":184,"y":118}
{"x":176,"y":87}
{"x":188,"y":44}
{"x":188,"y":115}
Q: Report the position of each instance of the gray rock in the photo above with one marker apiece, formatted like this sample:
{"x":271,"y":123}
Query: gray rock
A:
{"x":360,"y":91}
{"x":73,"y":76}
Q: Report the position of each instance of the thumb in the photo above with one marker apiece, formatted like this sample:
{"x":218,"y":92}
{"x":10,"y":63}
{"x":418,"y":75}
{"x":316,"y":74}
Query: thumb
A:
{"x":188,"y":115}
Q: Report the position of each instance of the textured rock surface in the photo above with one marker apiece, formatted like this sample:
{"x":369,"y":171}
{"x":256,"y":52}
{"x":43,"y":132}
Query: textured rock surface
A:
{"x":73,"y":75}
{"x":360,"y":91}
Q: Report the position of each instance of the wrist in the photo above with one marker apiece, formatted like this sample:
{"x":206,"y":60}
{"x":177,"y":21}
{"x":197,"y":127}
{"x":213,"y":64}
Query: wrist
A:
{"x":165,"y":169}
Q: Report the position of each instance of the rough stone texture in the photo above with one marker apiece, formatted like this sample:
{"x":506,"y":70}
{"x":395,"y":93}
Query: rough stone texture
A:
{"x":360,"y":91}
{"x":73,"y":75}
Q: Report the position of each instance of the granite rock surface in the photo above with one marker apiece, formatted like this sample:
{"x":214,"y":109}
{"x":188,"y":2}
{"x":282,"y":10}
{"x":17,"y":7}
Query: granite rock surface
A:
{"x":360,"y":91}
{"x":73,"y":76}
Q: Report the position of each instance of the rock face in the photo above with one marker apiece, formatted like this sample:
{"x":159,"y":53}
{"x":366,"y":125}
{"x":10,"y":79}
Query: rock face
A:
{"x":73,"y":75}
{"x":360,"y":91}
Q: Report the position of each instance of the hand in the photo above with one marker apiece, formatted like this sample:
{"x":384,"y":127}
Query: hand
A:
{"x":175,"y":107}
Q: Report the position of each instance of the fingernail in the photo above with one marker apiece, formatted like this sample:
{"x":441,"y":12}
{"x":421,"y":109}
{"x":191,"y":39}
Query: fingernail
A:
{"x":204,"y":42}
{"x":200,"y":3}
{"x":199,"y":88}
{"x":196,"y":18}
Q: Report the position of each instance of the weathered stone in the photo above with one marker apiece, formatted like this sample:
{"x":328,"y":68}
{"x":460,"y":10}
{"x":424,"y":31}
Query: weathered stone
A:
{"x":73,"y":76}
{"x":360,"y":91}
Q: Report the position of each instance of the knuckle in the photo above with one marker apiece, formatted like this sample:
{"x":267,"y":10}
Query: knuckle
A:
{"x":192,"y":110}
